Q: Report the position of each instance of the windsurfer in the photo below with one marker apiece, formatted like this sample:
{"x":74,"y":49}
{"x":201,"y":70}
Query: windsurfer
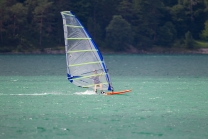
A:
{"x":97,"y":82}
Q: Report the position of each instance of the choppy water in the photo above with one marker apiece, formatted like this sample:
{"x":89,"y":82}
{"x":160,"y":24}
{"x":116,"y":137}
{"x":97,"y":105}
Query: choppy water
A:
{"x":169,"y":99}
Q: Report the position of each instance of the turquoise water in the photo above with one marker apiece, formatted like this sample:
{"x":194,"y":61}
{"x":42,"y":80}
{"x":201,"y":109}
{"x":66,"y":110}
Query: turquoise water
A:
{"x":169,"y":99}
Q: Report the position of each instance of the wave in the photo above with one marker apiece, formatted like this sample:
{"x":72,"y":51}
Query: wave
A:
{"x":87,"y":92}
{"x":35,"y":94}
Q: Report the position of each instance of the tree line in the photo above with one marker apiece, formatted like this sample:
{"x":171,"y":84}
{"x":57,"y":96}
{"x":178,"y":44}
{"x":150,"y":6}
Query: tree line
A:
{"x":117,"y":25}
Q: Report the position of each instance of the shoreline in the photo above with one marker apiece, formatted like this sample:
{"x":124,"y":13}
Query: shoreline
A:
{"x":163,"y":51}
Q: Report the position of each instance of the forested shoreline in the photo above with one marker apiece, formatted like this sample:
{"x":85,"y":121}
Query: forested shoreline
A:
{"x":115,"y":25}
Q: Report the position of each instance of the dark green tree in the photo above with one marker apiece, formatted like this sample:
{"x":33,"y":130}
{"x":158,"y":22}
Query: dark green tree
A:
{"x":188,"y":15}
{"x":41,"y":16}
{"x":58,"y":6}
{"x":95,"y":31}
{"x":18,"y":16}
{"x":146,"y":21}
{"x":119,"y":34}
{"x":125,"y":9}
{"x":170,"y":3}
{"x":2,"y":19}
{"x":204,"y":34}
{"x":81,"y":9}
{"x":167,"y":35}
{"x":179,"y":19}
{"x":189,"y":42}
{"x":93,"y":23}
{"x":102,"y":12}
{"x":206,"y":6}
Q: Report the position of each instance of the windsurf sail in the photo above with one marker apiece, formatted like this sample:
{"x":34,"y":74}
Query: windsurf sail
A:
{"x":83,"y":59}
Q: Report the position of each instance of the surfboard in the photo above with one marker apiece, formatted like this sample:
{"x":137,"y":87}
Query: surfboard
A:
{"x":118,"y":92}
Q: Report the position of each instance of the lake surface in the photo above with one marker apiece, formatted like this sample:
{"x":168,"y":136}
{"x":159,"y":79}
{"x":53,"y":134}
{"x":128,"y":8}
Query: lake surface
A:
{"x":169,"y":99}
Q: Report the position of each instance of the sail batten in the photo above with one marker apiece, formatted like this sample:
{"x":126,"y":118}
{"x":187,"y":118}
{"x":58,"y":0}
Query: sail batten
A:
{"x":74,"y":26}
{"x":66,"y":13}
{"x":83,"y":57}
{"x":78,"y":78}
{"x":96,"y":62}
{"x":76,"y":51}
{"x":78,"y":38}
{"x":92,"y":85}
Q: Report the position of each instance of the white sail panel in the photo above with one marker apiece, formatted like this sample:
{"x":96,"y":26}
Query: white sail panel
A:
{"x":84,"y":60}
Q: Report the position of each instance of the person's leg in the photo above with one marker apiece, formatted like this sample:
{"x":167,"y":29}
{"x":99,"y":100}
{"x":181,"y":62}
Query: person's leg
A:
{"x":101,"y":89}
{"x":95,"y":88}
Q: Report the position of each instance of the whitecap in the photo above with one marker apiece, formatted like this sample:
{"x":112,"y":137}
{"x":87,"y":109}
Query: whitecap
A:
{"x":87,"y":92}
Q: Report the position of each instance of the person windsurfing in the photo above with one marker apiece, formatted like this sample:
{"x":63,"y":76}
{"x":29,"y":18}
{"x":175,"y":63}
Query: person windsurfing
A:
{"x":97,"y":82}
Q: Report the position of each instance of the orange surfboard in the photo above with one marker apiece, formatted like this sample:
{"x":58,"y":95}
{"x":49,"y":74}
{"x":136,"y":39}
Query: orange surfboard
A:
{"x":118,"y":92}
